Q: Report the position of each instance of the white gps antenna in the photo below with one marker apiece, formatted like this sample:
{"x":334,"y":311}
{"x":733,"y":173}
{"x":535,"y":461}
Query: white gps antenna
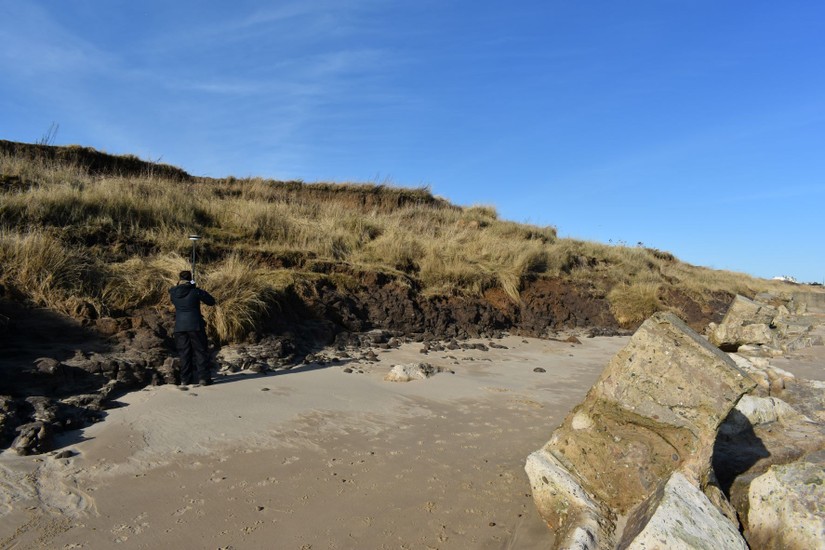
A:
{"x":194,"y":239}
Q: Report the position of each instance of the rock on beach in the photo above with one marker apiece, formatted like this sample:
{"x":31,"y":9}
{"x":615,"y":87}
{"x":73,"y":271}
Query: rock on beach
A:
{"x":655,"y":410}
{"x":412,"y":371}
{"x":790,"y":495}
{"x":681,"y":445}
{"x":680,"y":514}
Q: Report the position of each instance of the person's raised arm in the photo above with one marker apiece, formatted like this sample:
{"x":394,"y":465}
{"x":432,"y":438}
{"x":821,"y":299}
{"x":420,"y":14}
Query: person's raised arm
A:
{"x":206,"y":298}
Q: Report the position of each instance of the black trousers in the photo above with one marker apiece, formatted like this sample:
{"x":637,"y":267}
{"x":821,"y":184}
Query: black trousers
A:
{"x":193,"y":345}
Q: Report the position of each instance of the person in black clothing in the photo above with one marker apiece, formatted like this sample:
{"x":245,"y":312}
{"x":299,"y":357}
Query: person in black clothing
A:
{"x":190,"y":329}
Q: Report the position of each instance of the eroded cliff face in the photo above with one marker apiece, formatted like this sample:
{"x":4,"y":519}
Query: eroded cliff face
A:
{"x":61,"y":373}
{"x":57,"y":357}
{"x":376,"y":300}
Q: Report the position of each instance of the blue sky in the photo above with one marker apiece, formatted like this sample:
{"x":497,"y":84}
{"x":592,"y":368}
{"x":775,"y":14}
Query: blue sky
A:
{"x":692,"y":126}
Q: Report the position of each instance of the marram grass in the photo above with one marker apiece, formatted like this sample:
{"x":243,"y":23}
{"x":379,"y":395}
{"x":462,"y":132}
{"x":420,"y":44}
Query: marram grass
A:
{"x":67,"y":237}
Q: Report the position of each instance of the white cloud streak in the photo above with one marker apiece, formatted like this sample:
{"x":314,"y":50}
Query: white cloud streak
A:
{"x":35,"y":46}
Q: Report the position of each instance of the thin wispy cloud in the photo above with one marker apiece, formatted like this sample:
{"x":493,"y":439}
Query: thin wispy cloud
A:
{"x":562,"y":112}
{"x":36,"y":46}
{"x":301,"y":71}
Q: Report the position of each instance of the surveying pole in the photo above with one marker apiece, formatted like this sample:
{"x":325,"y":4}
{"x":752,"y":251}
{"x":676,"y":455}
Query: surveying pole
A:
{"x":194,"y":239}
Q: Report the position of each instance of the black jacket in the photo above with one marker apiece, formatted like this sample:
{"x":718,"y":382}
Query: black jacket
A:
{"x":187,"y":299}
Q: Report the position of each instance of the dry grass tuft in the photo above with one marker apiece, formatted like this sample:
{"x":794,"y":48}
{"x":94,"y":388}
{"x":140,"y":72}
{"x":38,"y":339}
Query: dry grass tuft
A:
{"x":244,"y":296}
{"x":633,"y":303}
{"x":141,"y":282}
{"x":40,"y":267}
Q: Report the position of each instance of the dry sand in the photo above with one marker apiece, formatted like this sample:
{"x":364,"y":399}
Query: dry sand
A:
{"x":807,"y":363}
{"x":312,"y":458}
{"x":316,"y":458}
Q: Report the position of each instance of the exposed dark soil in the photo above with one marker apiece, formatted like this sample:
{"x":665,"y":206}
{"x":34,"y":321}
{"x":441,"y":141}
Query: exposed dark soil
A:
{"x":377,"y":300}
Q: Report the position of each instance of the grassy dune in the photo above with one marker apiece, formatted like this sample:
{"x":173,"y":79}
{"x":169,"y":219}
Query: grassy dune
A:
{"x":76,"y":240}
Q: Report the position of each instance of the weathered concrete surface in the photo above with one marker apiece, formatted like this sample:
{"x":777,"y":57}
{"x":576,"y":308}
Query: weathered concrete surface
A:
{"x":769,"y":379}
{"x":777,"y":425}
{"x":744,"y":311}
{"x":678,"y":516}
{"x":746,"y":322}
{"x":787,"y":506}
{"x":576,"y":517}
{"x":768,"y":326}
{"x":762,"y":433}
{"x":655,"y":410}
{"x":759,"y":410}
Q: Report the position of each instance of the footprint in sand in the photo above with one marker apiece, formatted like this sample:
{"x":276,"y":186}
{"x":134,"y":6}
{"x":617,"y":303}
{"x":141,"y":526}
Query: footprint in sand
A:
{"x":181,"y":511}
{"x":267,"y":481}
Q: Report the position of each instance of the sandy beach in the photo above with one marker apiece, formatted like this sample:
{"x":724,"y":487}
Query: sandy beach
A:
{"x":313,"y":457}
{"x":318,"y":457}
